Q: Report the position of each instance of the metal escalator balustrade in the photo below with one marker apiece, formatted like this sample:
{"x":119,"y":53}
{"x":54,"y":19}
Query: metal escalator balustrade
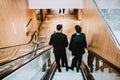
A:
{"x":99,"y":68}
{"x":34,"y":67}
{"x":53,"y":74}
{"x":5,"y":66}
{"x":11,"y":52}
{"x":23,"y":53}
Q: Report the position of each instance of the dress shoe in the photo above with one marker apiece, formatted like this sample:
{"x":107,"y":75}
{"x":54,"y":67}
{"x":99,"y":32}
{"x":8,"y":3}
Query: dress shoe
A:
{"x":67,"y":69}
{"x":63,"y":65}
{"x":71,"y":68}
{"x":77,"y":70}
{"x":59,"y":70}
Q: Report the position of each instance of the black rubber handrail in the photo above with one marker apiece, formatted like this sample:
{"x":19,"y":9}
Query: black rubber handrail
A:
{"x":29,"y":22}
{"x":86,"y":72}
{"x":5,"y":62}
{"x":50,"y":72}
{"x":11,"y":70}
{"x":109,"y":28}
{"x":21,"y":44}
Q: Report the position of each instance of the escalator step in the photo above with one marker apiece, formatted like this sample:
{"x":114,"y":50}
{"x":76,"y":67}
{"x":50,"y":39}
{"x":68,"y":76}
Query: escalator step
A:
{"x":70,"y":75}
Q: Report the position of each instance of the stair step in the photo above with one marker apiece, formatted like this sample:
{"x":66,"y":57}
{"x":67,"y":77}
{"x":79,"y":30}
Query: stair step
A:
{"x":67,"y":75}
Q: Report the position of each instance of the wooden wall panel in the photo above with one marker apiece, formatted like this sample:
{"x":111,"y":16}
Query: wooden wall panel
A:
{"x":98,"y":37}
{"x":44,"y":14}
{"x":79,"y":15}
{"x":14,"y":16}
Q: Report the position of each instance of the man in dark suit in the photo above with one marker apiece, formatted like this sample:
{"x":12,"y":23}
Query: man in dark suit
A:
{"x":60,"y":10}
{"x":77,"y":46}
{"x":59,"y":42}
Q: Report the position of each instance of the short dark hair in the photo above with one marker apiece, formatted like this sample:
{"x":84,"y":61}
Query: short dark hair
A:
{"x":59,"y":27}
{"x":78,"y":29}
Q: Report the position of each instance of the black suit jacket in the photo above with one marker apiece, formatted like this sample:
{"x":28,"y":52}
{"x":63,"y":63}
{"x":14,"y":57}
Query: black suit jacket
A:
{"x":59,"y":42}
{"x":78,"y":47}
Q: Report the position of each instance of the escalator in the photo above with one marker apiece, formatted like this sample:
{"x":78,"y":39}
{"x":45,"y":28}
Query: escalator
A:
{"x":35,"y":64}
{"x":53,"y":74}
{"x":23,"y":61}
{"x":42,"y":66}
{"x":67,"y":75}
{"x":29,"y":68}
{"x":10,"y":53}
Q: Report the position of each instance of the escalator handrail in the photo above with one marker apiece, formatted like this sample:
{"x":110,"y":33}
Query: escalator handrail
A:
{"x":11,"y":70}
{"x":86,"y":72}
{"x":21,"y":44}
{"x":50,"y":72}
{"x":8,"y":61}
{"x":109,"y":28}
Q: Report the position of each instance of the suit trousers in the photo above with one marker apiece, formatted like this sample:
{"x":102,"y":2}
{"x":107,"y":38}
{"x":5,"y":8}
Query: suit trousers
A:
{"x":63,"y":59}
{"x":76,"y":61}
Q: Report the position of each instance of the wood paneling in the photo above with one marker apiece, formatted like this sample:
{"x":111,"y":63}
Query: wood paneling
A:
{"x":98,"y":37}
{"x":44,"y":14}
{"x":14,"y":16}
{"x":79,"y":17}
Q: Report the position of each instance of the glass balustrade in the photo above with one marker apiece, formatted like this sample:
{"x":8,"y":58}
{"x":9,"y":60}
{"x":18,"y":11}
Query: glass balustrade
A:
{"x":35,"y":69}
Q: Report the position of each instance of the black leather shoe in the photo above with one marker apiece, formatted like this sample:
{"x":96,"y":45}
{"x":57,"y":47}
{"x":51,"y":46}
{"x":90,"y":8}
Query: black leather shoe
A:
{"x":77,"y":70}
{"x":63,"y":65}
{"x":67,"y":69}
{"x":71,"y":68}
{"x":59,"y":70}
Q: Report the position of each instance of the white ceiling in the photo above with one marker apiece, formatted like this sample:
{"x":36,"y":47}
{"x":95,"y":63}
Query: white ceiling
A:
{"x":47,"y":4}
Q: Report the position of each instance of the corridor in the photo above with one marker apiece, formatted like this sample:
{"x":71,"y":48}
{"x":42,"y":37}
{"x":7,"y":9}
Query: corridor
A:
{"x":68,"y":20}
